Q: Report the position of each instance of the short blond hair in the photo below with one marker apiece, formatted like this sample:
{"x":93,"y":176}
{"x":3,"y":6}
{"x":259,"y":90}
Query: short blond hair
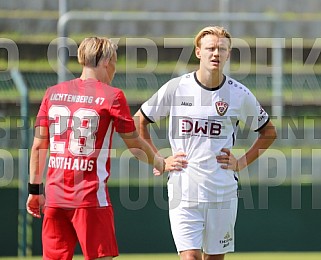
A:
{"x":93,"y":49}
{"x":213,"y":30}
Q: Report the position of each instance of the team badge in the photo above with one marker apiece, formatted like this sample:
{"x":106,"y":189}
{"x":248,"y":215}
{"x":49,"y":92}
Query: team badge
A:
{"x":221,"y":107}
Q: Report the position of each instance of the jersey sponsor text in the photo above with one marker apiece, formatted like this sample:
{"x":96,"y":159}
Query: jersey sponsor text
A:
{"x":77,"y":164}
{"x":199,"y":127}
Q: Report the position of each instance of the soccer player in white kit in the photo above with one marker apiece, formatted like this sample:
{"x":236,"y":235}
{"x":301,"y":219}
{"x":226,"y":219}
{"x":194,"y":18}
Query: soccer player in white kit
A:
{"x":204,"y":108}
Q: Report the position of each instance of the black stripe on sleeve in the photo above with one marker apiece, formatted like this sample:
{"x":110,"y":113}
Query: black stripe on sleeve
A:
{"x":146,"y":117}
{"x":257,"y":130}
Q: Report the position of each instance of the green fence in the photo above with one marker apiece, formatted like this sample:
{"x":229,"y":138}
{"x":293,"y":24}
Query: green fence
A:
{"x":282,"y":218}
{"x":298,"y":89}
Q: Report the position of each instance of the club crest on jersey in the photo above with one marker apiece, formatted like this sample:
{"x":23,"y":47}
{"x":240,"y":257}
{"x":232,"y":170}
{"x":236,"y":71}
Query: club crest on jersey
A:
{"x":221,"y":107}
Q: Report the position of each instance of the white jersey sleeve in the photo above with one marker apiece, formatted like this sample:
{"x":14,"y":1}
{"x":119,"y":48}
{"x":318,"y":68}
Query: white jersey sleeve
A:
{"x":159,"y":105}
{"x":252,"y":113}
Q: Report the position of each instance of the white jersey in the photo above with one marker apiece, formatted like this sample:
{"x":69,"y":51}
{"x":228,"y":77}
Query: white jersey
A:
{"x":202,"y":121}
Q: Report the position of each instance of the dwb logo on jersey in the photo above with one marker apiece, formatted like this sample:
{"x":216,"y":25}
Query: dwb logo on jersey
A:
{"x":198,"y":127}
{"x":221,"y":107}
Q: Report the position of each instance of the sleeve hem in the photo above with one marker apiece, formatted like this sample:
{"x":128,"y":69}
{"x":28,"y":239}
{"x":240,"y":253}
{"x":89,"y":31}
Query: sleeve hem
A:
{"x":146,"y":117}
{"x":261,"y":127}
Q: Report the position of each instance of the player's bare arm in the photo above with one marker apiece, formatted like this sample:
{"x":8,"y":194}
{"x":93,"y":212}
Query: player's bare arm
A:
{"x":39,"y":150}
{"x":144,"y":152}
{"x":266,"y":137}
{"x":173,"y":163}
{"x":141,"y":125}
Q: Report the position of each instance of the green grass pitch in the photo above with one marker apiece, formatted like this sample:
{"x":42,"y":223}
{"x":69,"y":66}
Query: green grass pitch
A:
{"x":234,"y":256}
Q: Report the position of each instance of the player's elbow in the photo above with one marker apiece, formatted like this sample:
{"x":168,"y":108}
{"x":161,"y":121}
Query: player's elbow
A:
{"x":273,"y":134}
{"x":40,"y":144}
{"x":270,"y":133}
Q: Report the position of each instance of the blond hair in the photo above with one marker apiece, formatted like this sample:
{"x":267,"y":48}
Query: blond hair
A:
{"x":213,"y":30}
{"x":93,"y":49}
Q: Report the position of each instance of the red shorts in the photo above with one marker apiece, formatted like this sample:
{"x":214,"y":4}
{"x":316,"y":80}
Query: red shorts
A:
{"x":92,"y":227}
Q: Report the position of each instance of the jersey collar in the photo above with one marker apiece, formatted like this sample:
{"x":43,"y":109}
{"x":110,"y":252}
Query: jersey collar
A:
{"x":207,"y":88}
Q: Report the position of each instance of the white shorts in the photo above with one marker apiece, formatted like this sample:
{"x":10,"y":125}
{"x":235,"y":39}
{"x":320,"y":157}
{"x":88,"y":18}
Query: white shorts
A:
{"x":208,"y":226}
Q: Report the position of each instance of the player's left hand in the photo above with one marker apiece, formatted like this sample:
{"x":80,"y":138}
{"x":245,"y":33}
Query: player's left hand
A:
{"x":227,"y":160}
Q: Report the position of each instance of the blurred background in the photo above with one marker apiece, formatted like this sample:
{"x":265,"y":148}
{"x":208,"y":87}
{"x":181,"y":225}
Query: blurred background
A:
{"x":276,"y":54}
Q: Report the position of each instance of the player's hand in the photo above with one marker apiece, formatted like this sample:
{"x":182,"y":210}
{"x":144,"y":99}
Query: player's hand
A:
{"x":227,"y":160}
{"x":35,"y":205}
{"x":175,"y":162}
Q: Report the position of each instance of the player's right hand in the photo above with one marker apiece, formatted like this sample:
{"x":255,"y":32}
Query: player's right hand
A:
{"x":35,"y":204}
{"x":174,"y":162}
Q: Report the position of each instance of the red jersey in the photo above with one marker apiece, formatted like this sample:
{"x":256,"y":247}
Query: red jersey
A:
{"x":81,"y":116}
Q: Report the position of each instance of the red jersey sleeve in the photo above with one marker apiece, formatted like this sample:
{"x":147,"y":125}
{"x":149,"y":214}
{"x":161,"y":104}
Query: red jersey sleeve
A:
{"x":120,"y":112}
{"x":42,"y":117}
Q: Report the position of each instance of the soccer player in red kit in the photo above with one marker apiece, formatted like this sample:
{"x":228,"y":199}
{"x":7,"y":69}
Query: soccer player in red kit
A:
{"x":76,"y":121}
